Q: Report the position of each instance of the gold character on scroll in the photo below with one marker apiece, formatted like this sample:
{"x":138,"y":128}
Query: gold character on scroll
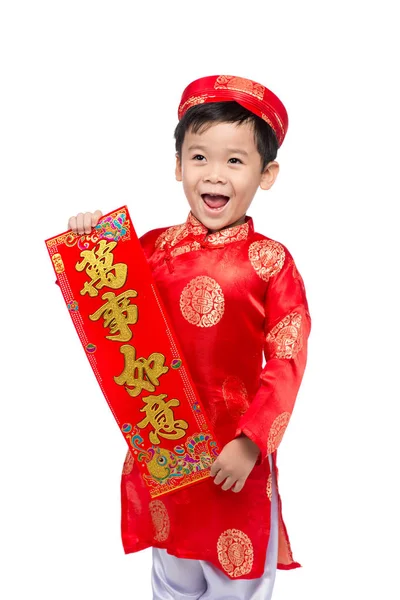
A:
{"x":118,"y":313}
{"x":140,"y":373}
{"x":99,"y":266}
{"x":160,"y":416}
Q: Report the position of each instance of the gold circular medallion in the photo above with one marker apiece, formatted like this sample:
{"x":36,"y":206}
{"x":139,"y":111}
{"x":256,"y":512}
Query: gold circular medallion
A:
{"x":266,"y":257}
{"x":202,"y":302}
{"x":285,"y":340}
{"x":160,"y":518}
{"x":235,"y":552}
{"x":276,"y":432}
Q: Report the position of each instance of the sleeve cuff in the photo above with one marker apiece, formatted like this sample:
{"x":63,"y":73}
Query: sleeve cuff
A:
{"x":263,"y":450}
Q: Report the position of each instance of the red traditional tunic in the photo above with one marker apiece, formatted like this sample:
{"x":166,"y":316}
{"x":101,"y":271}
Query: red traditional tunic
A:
{"x":230,"y":295}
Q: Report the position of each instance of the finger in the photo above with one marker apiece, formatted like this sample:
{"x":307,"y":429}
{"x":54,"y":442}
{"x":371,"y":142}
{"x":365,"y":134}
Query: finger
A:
{"x":220,"y":477}
{"x":72,"y":224}
{"x":238,"y":486}
{"x":79,"y":223}
{"x":87,"y":222}
{"x":214,"y":468}
{"x":95,"y":217}
{"x":230,"y":481}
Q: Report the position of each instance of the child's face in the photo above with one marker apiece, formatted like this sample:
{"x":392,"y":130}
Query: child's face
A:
{"x":221,"y":171}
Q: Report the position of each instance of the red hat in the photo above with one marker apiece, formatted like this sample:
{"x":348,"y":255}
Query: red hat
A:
{"x":249,"y":94}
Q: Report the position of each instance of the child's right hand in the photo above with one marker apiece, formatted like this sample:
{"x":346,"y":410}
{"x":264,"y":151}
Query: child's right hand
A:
{"x":83,"y":223}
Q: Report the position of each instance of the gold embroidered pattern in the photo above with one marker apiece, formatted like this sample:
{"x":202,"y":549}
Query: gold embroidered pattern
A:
{"x":235,"y":552}
{"x":279,"y":134}
{"x":186,"y":248}
{"x":269,"y":487}
{"x":202,"y":302}
{"x":160,"y":518}
{"x":230,"y":82}
{"x":266,"y":257}
{"x":285,"y":340}
{"x":268,"y":120}
{"x":235,"y":395}
{"x":276,"y":432}
{"x":192,"y":101}
{"x":280,"y":123}
{"x":172,"y":236}
{"x":195,"y":226}
{"x":228,"y":235}
{"x":128,"y":464}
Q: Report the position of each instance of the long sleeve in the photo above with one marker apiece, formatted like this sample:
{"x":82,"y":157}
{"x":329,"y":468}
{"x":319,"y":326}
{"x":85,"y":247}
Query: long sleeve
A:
{"x":287,"y":327}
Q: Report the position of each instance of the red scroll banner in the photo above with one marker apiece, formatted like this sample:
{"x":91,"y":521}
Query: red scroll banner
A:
{"x":118,"y":314}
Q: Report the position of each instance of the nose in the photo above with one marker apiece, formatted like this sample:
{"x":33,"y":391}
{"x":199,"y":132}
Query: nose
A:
{"x":214,"y":175}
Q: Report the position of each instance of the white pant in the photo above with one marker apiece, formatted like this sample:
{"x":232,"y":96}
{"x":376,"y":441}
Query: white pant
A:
{"x":175,"y":578}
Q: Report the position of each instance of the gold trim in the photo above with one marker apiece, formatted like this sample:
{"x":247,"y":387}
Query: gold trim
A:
{"x":240,"y":84}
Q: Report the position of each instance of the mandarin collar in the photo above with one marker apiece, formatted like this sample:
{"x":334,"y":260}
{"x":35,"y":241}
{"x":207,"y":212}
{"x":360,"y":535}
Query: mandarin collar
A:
{"x":219,"y":238}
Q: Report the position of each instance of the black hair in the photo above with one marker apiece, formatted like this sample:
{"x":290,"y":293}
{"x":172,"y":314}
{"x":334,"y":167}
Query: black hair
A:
{"x":203,"y":116}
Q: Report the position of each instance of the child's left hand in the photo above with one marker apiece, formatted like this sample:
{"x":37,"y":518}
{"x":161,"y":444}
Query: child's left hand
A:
{"x":235,"y":463}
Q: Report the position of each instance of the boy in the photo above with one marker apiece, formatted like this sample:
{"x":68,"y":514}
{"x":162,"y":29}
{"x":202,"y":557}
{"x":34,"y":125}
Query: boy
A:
{"x":231,"y":294}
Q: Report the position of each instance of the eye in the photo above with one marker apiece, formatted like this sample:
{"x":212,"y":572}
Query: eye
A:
{"x":198,"y":157}
{"x":237,"y":161}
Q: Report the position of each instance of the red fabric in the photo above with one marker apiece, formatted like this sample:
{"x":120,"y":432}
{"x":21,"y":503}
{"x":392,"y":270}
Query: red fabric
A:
{"x":251,"y":95}
{"x":230,"y":295}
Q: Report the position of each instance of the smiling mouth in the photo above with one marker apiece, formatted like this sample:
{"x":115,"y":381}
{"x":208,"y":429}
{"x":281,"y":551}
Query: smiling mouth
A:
{"x":215,"y":201}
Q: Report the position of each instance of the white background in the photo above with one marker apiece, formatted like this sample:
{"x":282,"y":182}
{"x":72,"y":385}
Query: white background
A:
{"x":89,"y":94}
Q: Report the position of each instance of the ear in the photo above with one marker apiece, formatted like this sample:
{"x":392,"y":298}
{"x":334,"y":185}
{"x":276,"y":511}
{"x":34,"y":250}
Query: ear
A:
{"x":269,"y":175}
{"x":178,"y":168}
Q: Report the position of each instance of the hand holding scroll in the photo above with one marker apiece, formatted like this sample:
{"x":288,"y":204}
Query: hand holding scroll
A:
{"x":235,"y":463}
{"x":84,"y":222}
